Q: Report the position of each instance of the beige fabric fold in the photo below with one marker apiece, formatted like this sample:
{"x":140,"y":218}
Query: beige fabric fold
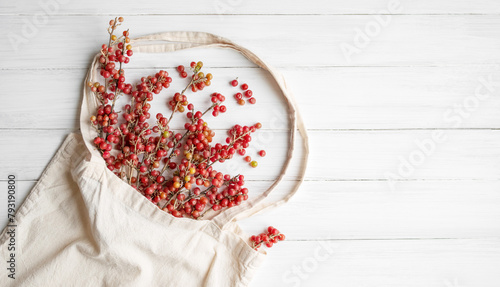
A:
{"x":83,"y":226}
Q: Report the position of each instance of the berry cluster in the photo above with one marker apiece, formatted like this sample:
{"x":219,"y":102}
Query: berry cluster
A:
{"x":172,"y":169}
{"x":267,"y":238}
{"x":217,"y":100}
{"x":247,"y":93}
{"x":199,"y":79}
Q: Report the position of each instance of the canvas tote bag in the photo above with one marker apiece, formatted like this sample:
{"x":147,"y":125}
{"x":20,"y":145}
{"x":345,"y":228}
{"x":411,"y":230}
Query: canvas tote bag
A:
{"x":83,"y":226}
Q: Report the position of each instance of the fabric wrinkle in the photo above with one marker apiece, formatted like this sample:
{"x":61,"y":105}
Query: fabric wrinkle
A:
{"x":81,"y":225}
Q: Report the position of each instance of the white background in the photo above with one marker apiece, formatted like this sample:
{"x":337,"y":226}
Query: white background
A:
{"x":401,"y":100}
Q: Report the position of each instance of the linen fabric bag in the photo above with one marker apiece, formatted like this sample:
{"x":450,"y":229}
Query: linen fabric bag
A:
{"x":83,"y":226}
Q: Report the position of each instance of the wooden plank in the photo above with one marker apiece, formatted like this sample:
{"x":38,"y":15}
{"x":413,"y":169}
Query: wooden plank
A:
{"x":397,"y":97}
{"x":404,"y":155}
{"x":434,"y":262}
{"x":63,"y":103}
{"x":63,"y":7}
{"x":421,"y":40}
{"x":360,"y":210}
{"x":40,"y":146}
{"x":412,"y":263}
{"x":372,"y":210}
{"x":348,"y":97}
{"x":354,"y":262}
{"x":345,"y":155}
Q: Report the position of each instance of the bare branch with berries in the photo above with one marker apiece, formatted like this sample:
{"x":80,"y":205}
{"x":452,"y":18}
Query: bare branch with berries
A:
{"x":272,"y":236}
{"x":173,"y":169}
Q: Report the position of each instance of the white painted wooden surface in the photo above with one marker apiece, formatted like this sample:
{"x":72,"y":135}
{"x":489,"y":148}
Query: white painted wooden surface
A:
{"x":384,"y":203}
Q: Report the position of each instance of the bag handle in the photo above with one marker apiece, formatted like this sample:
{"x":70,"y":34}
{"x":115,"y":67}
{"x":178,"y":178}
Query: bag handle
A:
{"x":173,"y":41}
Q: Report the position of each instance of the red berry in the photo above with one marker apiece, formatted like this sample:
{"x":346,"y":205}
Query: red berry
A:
{"x":234,"y":83}
{"x":221,"y":97}
{"x":244,"y":86}
{"x":262,"y":153}
{"x":252,"y":101}
{"x":248,"y":93}
{"x":247,"y":158}
{"x":180,"y":68}
{"x":238,"y":96}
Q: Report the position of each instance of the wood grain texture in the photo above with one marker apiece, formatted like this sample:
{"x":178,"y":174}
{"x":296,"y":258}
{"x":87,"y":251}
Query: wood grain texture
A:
{"x":335,"y":155}
{"x":344,"y":210}
{"x":395,"y":97}
{"x":369,"y":210}
{"x":239,"y":7}
{"x":286,"y":41}
{"x":48,"y":141}
{"x":384,"y":203}
{"x":373,"y":263}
